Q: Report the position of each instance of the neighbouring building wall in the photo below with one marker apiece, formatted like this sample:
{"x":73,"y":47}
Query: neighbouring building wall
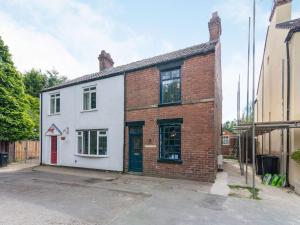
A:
{"x":271,"y":93}
{"x":200,"y":110}
{"x":228,"y":143}
{"x":109,"y":114}
{"x":294,"y":47}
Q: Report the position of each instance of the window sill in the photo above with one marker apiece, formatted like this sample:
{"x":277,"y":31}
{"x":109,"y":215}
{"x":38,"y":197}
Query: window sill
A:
{"x":90,"y":110}
{"x":54,"y":114}
{"x":171,"y":161}
{"x":92,"y":156}
{"x":169,"y":104}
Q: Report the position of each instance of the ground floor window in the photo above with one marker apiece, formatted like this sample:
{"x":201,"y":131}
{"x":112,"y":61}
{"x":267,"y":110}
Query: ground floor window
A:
{"x":92,"y":142}
{"x":170,"y":141}
{"x":225,"y":140}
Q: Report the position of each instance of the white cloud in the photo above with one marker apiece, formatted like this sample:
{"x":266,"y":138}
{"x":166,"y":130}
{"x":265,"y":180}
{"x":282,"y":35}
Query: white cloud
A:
{"x":235,"y":66}
{"x":238,"y":11}
{"x":296,"y":15}
{"x":68,"y":35}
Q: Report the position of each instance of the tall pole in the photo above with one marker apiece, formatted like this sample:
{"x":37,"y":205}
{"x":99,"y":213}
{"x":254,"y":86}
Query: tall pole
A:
{"x":253,"y":99}
{"x":248,"y":73}
{"x":238,"y":122}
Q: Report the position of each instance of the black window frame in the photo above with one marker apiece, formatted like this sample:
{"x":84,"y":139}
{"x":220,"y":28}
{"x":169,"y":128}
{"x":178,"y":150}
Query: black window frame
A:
{"x":163,"y":80}
{"x":169,"y":123}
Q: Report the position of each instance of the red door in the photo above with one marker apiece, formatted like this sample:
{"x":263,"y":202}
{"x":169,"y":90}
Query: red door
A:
{"x":53,"y":149}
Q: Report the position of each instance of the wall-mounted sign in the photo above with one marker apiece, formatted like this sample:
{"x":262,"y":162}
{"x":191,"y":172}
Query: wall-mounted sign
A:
{"x":53,"y":131}
{"x":150,"y":146}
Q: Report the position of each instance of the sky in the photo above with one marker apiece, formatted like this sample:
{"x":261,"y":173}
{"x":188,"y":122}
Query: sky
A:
{"x":68,"y":35}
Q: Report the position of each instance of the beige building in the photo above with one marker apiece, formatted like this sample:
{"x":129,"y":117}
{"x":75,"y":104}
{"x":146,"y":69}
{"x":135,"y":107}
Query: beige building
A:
{"x":278,"y":93}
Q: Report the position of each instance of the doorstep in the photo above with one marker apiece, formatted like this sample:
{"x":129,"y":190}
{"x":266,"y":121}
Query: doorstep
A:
{"x":81,"y":172}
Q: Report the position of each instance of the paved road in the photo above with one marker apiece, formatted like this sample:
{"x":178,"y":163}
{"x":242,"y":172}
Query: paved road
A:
{"x":35,"y":197}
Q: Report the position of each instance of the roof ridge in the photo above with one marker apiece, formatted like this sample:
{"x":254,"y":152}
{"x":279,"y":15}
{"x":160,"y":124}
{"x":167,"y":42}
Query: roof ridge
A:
{"x":139,"y":64}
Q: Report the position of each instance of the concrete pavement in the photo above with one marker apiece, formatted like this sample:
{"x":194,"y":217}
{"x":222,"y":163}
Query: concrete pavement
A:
{"x":43,"y":197}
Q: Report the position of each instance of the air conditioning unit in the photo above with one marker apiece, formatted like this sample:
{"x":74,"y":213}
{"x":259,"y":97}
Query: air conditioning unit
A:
{"x":220,"y":162}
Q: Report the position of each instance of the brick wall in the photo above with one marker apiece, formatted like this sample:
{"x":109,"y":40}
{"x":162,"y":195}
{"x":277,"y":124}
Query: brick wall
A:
{"x":229,"y":150}
{"x":201,"y":118}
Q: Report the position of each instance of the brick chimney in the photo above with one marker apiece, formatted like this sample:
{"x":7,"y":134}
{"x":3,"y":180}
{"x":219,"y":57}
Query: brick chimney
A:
{"x":282,"y":14}
{"x":105,"y":61}
{"x":215,"y":27}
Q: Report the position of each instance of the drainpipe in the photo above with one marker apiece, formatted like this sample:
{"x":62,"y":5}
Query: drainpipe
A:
{"x":124,"y":124}
{"x":288,"y":110}
{"x":41,"y":128}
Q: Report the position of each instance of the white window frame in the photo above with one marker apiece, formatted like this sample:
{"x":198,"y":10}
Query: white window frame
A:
{"x":89,"y":90}
{"x":79,"y":133}
{"x":55,"y":97}
{"x":228,"y":139}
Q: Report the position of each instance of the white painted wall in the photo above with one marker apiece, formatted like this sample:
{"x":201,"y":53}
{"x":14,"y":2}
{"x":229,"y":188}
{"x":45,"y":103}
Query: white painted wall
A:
{"x":109,"y":115}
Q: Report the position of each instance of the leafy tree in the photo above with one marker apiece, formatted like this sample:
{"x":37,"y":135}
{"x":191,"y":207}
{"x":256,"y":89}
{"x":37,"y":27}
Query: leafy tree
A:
{"x":34,"y":113}
{"x":15,"y":120}
{"x":53,"y":78}
{"x":34,"y":81}
{"x":229,"y":125}
{"x":249,"y":118}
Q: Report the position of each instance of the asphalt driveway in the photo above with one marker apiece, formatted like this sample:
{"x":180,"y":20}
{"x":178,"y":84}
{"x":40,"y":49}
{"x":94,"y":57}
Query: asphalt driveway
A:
{"x":53,"y":197}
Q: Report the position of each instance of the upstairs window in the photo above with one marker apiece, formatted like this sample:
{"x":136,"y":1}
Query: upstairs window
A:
{"x":55,"y":103}
{"x":170,"y":90}
{"x":92,"y":142}
{"x":89,"y":98}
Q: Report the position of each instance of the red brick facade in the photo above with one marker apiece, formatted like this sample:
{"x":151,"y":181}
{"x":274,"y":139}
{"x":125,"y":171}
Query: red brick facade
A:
{"x":229,"y":149}
{"x":200,"y":110}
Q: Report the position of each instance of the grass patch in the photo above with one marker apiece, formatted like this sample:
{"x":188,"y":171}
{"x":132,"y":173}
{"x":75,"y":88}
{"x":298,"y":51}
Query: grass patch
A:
{"x":229,"y":157}
{"x":253,"y":193}
{"x":234,"y":195}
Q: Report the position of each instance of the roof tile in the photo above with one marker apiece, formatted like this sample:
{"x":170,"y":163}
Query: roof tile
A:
{"x":168,"y":57}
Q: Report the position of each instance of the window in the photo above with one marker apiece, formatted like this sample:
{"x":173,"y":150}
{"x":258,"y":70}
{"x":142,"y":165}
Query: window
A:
{"x":170,"y":86}
{"x":170,"y":142}
{"x":225,"y":140}
{"x":54,"y":103}
{"x":92,"y":142}
{"x":89,"y":98}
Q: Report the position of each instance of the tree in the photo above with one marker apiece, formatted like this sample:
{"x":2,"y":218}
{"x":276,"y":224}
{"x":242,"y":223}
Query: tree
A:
{"x":53,"y":78}
{"x":229,"y":125}
{"x":34,"y":81}
{"x":249,"y":118}
{"x":15,"y":121}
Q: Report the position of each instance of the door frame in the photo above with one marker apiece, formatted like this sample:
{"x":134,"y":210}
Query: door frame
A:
{"x":51,"y":149}
{"x":130,"y":135}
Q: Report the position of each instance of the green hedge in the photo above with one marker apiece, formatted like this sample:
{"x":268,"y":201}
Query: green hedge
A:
{"x":296,"y":156}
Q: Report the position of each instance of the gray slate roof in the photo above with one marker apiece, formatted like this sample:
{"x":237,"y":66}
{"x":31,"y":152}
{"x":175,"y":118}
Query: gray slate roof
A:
{"x":292,"y":24}
{"x":169,"y":57}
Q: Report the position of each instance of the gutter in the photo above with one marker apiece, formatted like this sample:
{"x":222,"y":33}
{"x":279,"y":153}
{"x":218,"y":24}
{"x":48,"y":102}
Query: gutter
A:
{"x":41,"y":128}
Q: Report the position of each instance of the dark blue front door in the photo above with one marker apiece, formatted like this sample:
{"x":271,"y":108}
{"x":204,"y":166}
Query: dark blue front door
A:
{"x":136,"y":149}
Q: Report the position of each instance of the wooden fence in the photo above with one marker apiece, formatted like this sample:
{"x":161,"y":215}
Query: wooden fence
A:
{"x":25,"y":150}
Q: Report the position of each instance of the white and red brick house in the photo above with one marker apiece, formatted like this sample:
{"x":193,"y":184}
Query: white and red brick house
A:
{"x":171,"y":116}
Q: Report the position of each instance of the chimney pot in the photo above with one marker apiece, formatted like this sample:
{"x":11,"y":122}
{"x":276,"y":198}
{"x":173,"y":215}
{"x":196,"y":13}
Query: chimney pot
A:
{"x":215,"y":27}
{"x":105,"y":61}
